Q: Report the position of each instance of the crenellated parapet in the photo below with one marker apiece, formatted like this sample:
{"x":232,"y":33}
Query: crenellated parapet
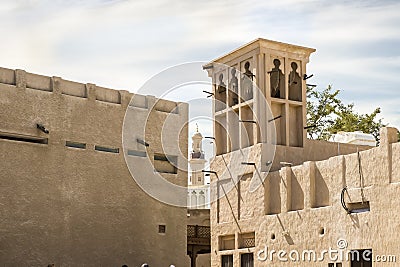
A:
{"x":23,"y":80}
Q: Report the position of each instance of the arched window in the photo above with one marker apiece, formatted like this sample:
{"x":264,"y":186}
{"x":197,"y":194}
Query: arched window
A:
{"x":193,"y":200}
{"x":202,"y":199}
{"x":188,"y":200}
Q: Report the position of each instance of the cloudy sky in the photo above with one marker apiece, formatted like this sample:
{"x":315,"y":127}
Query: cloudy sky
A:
{"x":121,"y":44}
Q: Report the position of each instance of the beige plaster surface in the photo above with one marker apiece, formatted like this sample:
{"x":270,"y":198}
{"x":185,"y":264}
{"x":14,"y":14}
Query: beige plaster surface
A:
{"x":80,"y":207}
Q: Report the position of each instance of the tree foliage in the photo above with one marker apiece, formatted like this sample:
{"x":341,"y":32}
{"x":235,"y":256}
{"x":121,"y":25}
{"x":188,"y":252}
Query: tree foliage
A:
{"x":327,"y":115}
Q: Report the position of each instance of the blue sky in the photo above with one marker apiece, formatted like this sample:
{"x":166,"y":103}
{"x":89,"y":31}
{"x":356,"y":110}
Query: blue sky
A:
{"x":121,"y":44}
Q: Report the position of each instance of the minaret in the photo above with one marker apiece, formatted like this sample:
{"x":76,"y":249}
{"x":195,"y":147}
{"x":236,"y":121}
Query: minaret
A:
{"x":197,"y":160}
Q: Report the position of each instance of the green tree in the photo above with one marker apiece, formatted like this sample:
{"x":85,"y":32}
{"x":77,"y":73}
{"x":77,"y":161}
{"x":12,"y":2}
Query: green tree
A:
{"x":327,"y":115}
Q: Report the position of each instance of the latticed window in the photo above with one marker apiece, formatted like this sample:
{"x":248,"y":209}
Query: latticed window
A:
{"x":198,"y":231}
{"x":247,"y":240}
{"x":191,"y":231}
{"x":203,"y":231}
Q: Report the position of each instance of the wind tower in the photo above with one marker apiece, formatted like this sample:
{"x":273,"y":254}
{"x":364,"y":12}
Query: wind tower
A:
{"x":244,"y":115}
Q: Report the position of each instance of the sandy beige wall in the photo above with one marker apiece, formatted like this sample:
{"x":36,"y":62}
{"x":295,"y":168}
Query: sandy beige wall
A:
{"x":299,"y":208}
{"x":77,"y":207}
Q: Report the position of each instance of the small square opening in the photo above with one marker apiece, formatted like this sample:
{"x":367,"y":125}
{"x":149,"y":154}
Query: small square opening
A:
{"x":162,"y":228}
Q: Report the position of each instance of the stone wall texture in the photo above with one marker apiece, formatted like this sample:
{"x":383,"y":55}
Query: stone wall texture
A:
{"x":299,"y":207}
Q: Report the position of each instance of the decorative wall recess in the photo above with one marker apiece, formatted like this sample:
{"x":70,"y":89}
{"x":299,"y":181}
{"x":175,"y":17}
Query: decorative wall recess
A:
{"x":318,"y":188}
{"x":246,"y":92}
{"x":246,"y":130}
{"x":295,"y":193}
{"x":227,"y":242}
{"x":295,"y":126}
{"x":233,"y":88}
{"x":233,"y":130}
{"x":295,"y":83}
{"x":220,"y":93}
{"x":272,"y":195}
{"x":277,"y":80}
{"x":279,"y":118}
{"x":245,"y":210}
{"x":193,"y":199}
{"x":202,"y":199}
{"x":225,"y":212}
{"x":221,"y":134}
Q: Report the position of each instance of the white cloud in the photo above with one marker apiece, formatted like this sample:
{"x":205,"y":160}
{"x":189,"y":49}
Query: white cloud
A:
{"x":354,"y":24}
{"x":120,"y":44}
{"x":366,"y":68}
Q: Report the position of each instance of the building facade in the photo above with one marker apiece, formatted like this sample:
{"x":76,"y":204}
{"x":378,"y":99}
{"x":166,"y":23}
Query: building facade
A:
{"x":274,"y":189}
{"x":198,"y":200}
{"x":67,"y":197}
